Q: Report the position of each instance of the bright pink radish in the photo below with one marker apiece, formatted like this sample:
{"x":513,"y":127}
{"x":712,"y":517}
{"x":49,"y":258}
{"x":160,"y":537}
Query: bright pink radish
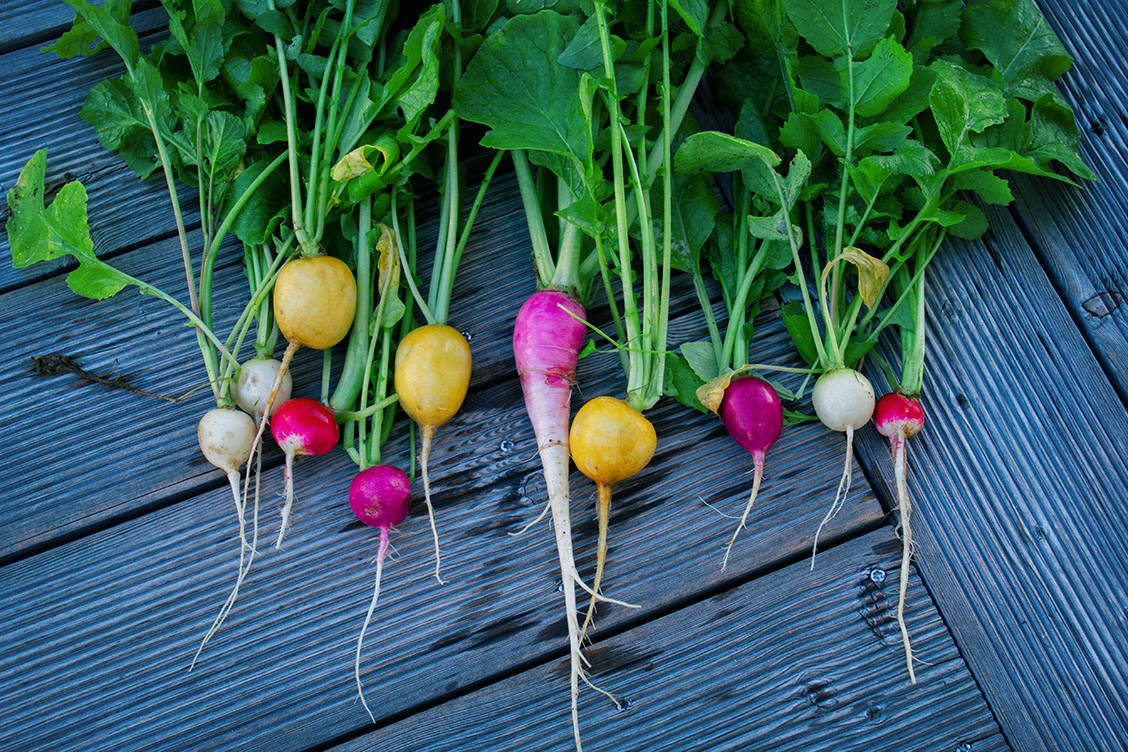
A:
{"x":301,"y":427}
{"x":380,"y":497}
{"x":843,"y":401}
{"x":899,"y":417}
{"x":753,"y":416}
{"x":547,"y":338}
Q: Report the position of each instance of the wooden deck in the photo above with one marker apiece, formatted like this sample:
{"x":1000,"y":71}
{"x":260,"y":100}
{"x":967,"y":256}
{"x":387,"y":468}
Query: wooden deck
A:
{"x":118,"y":542}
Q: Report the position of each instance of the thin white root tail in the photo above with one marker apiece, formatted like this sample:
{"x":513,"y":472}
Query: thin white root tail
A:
{"x":604,"y":515}
{"x":381,"y":553}
{"x":425,"y":455}
{"x":525,"y":529}
{"x":758,"y":459}
{"x":841,"y":494}
{"x":904,"y":505}
{"x":245,"y":562}
{"x":289,"y":499}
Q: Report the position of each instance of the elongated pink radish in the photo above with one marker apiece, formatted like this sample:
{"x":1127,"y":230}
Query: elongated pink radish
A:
{"x":610,"y":442}
{"x":432,"y":374}
{"x":548,"y":335}
{"x":380,"y":497}
{"x":843,"y":400}
{"x":753,"y":416}
{"x":301,"y":427}
{"x":226,"y":438}
{"x":900,"y":417}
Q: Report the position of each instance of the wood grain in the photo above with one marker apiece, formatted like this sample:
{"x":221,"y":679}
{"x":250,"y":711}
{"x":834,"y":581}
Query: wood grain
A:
{"x":795,"y":660}
{"x":1018,"y":480}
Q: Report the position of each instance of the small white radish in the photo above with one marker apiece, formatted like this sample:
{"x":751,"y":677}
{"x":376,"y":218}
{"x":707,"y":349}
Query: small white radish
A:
{"x":252,"y":387}
{"x":843,"y":400}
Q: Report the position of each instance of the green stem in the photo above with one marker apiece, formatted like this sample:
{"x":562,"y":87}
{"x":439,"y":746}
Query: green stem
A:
{"x":471,"y":216}
{"x":352,"y":370}
{"x":840,"y":227}
{"x":799,"y":273}
{"x":707,"y":309}
{"x":313,"y":177}
{"x":538,"y":237}
{"x":738,"y":307}
{"x":409,"y":270}
{"x":292,"y":144}
{"x":367,"y":412}
{"x":659,"y":376}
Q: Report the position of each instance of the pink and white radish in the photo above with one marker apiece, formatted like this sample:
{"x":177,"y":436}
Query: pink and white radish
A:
{"x":301,"y":427}
{"x":900,"y":417}
{"x":380,"y":497}
{"x":753,"y":416}
{"x":843,"y":400}
{"x":548,"y":335}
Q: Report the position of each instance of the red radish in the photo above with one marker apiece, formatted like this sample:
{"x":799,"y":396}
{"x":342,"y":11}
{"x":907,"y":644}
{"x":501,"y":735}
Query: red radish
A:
{"x":301,"y":427}
{"x":380,"y":496}
{"x":548,"y":335}
{"x":899,"y":417}
{"x":753,"y":416}
{"x":843,"y":401}
{"x":432,"y":375}
{"x":610,"y":442}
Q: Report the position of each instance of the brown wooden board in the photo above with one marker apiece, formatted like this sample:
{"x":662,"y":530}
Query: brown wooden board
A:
{"x":1019,"y":479}
{"x":795,"y":660}
{"x":100,"y":631}
{"x":40,"y":107}
{"x":1079,"y":235}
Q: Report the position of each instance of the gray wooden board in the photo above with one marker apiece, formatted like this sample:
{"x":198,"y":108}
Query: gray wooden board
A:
{"x":796,"y":660}
{"x":1080,"y":234}
{"x":39,"y":107}
{"x":1019,"y":480}
{"x":99,"y":631}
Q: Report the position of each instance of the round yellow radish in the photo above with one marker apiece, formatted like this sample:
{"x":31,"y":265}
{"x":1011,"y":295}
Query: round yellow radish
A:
{"x":610,"y":440}
{"x":432,"y":373}
{"x":315,"y":301}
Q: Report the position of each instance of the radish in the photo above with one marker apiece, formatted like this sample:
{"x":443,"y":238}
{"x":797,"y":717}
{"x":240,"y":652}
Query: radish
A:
{"x":610,"y":442}
{"x":899,"y":417}
{"x":753,"y":416}
{"x":547,"y":337}
{"x":432,"y":375}
{"x":843,"y":401}
{"x":227,"y":438}
{"x":252,"y":387}
{"x":301,"y":427}
{"x":379,"y":496}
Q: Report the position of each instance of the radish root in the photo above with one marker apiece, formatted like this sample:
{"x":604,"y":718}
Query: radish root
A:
{"x":841,"y":494}
{"x":897,"y":444}
{"x":603,"y":511}
{"x":289,"y":475}
{"x":758,"y":461}
{"x":425,"y":455}
{"x":380,"y":555}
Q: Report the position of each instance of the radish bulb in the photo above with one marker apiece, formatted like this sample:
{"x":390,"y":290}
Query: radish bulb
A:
{"x":380,"y":497}
{"x":301,"y":427}
{"x":252,"y":388}
{"x":753,"y":416}
{"x":899,"y":417}
{"x":843,"y":400}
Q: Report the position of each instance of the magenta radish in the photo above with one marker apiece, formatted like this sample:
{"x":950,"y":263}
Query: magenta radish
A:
{"x":380,"y":497}
{"x":899,"y":417}
{"x":843,"y":400}
{"x":301,"y":427}
{"x":548,"y":335}
{"x":753,"y":416}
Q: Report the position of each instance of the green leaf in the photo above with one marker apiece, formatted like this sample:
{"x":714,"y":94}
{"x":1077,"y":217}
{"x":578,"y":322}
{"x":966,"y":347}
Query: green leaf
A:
{"x":773,"y":227}
{"x":985,"y":184}
{"x":880,"y":137}
{"x":695,"y":208}
{"x":1015,"y":37}
{"x":414,"y":82}
{"x":914,"y":99}
{"x":881,"y":78}
{"x":713,"y":151}
{"x":798,"y":326}
{"x":97,"y":280}
{"x":695,"y":13}
{"x":823,"y":78}
{"x":974,"y":223}
{"x":514,"y":86}
{"x":962,"y":103}
{"x":933,"y":21}
{"x":111,"y":24}
{"x":701,"y":358}
{"x":681,"y":382}
{"x":82,"y":38}
{"x":910,"y":158}
{"x":834,"y":27}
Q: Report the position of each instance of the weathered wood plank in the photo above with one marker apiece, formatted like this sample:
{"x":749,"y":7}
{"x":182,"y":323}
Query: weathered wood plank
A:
{"x":1079,"y":234}
{"x":121,"y":611}
{"x":795,"y":660}
{"x":1018,"y":480}
{"x":42,"y":99}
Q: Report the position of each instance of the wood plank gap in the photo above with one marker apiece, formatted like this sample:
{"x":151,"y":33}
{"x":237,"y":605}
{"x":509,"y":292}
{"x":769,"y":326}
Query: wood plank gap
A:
{"x":1115,"y":376}
{"x":50,"y":33}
